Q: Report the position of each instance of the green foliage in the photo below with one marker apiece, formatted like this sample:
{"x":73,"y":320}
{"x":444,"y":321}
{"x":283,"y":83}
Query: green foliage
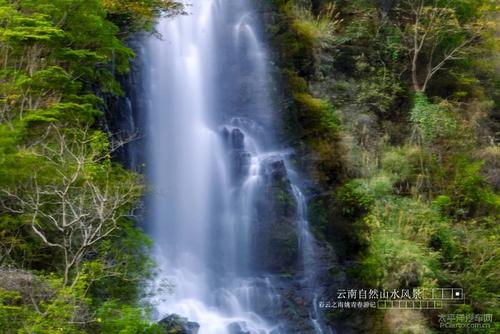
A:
{"x":377,"y":88}
{"x":27,"y":30}
{"x":442,"y":203}
{"x":65,"y":206}
{"x":10,"y":309}
{"x":414,"y":120}
{"x":469,"y":192}
{"x":317,"y":30}
{"x":392,"y":262}
{"x":354,"y":200}
{"x":401,"y":162}
{"x":116,"y":317}
{"x":317,"y":115}
{"x":122,"y":265}
{"x":478,"y":271}
{"x":41,"y":304}
{"x":398,"y":235}
{"x":138,"y":15}
{"x":431,"y":121}
{"x":318,"y":217}
{"x":394,"y":44}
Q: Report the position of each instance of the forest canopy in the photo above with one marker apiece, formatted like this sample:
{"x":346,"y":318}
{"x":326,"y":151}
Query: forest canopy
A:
{"x":71,"y":256}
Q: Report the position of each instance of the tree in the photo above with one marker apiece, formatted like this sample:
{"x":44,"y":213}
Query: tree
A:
{"x":75,"y":198}
{"x":68,"y":245}
{"x":138,"y":15}
{"x":434,"y":35}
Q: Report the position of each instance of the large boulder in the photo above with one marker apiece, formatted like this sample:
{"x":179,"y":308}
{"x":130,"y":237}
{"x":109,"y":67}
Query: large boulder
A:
{"x":175,"y":324}
{"x":236,"y":328}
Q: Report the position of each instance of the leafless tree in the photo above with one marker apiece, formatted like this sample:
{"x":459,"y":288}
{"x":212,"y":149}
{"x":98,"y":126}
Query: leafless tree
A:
{"x":427,"y":33}
{"x":83,"y":203}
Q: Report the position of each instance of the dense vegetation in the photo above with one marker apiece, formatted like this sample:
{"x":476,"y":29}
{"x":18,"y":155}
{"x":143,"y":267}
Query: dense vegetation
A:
{"x":395,"y":106}
{"x":71,"y":259}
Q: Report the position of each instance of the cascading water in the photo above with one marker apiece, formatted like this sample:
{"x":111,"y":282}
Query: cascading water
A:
{"x":220,"y":188}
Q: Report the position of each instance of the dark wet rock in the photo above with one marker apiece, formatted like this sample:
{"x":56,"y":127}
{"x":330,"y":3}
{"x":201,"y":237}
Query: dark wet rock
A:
{"x":224,"y":132}
{"x":275,"y":237}
{"x":236,"y":328}
{"x":240,"y":158}
{"x":179,"y":325}
{"x":277,"y":171}
{"x":237,"y":139}
{"x":249,"y":126}
{"x":295,"y":307}
{"x":240,"y":163}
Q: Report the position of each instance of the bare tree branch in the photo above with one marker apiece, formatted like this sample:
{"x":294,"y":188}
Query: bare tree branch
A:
{"x":81,"y":206}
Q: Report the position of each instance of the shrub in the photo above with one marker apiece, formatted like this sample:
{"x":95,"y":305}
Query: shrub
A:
{"x":318,"y":115}
{"x":355,"y":201}
{"x":431,"y":121}
{"x":442,"y":203}
{"x":401,"y":162}
{"x":398,"y":234}
{"x":114,"y":317}
{"x":478,"y":269}
{"x":378,"y":186}
{"x":470,"y":193}
{"x":394,"y":262}
{"x":318,"y":30}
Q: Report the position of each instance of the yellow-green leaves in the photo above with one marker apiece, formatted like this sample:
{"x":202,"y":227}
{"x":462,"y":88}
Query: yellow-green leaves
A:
{"x":65,"y":206}
{"x":431,"y":121}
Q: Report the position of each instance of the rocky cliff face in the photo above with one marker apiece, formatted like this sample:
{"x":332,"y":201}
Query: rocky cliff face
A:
{"x":274,"y":230}
{"x":275,"y":234}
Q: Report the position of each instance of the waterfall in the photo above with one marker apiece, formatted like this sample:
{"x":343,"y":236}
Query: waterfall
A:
{"x":228,"y":222}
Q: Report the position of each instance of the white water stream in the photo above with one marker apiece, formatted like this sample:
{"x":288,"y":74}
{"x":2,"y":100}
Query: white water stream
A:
{"x":209,"y":118}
